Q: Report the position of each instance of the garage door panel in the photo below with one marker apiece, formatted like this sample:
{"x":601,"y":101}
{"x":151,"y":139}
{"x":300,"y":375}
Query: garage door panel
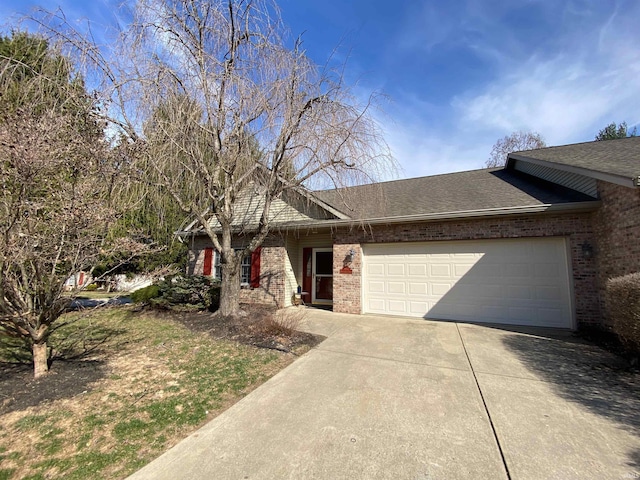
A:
{"x":511,"y":281}
{"x":397,"y":306}
{"x":418,"y":288}
{"x":436,"y":270}
{"x":375,"y":269}
{"x":397,"y":270}
{"x":545,"y":270}
{"x":462,"y":269}
{"x":527,"y":315}
{"x":396,"y":287}
{"x":518,"y":270}
{"x":440,"y":288}
{"x":417,"y":270}
{"x":418,"y":307}
{"x":376,"y":305}
{"x":549,"y":294}
{"x":376,"y":287}
{"x":520,"y":292}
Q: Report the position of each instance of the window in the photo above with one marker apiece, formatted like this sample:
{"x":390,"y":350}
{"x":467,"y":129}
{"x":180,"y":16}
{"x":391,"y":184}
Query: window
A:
{"x":217,"y":270}
{"x":249,"y":268}
{"x":245,"y":270}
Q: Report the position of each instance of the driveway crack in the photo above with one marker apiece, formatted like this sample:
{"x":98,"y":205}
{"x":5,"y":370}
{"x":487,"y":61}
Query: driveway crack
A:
{"x":484,"y":403}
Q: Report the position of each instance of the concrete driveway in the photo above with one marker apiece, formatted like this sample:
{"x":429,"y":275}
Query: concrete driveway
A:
{"x":411,"y":399}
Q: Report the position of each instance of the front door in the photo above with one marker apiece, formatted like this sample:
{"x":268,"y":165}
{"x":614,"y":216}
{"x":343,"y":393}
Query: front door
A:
{"x":322,"y":281}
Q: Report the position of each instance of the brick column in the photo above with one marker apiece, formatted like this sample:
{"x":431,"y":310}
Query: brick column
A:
{"x":347,"y":282}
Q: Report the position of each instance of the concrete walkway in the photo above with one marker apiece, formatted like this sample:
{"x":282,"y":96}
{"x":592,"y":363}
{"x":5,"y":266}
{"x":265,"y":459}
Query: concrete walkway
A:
{"x":390,"y":398}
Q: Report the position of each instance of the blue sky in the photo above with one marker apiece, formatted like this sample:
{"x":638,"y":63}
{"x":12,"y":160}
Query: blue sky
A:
{"x":461,"y":74}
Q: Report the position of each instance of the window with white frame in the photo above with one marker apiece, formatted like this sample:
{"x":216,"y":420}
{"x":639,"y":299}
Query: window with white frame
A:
{"x":217,"y":270}
{"x":245,"y":268}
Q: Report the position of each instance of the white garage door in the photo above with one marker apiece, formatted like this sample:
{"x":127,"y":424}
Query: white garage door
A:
{"x":518,"y":282}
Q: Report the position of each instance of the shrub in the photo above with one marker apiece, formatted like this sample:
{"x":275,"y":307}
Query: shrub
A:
{"x":92,"y":287}
{"x":143,"y":295}
{"x":283,"y":323}
{"x":623,"y":305}
{"x":193,"y":292}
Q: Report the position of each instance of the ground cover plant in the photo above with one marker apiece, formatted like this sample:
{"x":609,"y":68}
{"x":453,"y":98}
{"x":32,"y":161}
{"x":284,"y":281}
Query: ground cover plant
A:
{"x":127,"y":385}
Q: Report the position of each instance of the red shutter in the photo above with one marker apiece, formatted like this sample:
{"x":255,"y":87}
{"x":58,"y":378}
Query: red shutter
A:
{"x":306,"y":273}
{"x":208,"y":261}
{"x":255,"y":268}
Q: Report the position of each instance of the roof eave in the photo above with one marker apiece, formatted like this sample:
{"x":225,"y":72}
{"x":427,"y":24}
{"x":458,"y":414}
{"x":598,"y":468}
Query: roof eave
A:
{"x":631,"y":182}
{"x":444,"y":216}
{"x":489,"y":212}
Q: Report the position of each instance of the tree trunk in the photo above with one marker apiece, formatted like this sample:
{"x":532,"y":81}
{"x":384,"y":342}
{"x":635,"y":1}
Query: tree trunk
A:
{"x":230,"y":290}
{"x":40,"y":359}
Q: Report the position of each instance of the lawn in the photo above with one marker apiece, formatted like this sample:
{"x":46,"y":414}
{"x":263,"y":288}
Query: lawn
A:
{"x":100,"y":294}
{"x":127,"y":386}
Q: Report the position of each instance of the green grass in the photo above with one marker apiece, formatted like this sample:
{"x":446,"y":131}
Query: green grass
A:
{"x":161,"y":383}
{"x":99,"y":294}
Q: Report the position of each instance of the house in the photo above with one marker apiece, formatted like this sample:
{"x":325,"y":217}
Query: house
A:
{"x":528,"y":244}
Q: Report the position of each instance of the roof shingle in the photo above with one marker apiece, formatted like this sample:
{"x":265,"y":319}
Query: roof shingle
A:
{"x":614,"y":157}
{"x":454,"y":192}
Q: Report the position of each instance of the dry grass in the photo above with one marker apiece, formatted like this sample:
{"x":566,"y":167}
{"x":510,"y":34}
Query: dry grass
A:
{"x":157,"y":382}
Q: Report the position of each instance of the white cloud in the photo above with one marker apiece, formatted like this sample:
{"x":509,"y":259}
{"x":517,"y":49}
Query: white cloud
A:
{"x":563,"y":98}
{"x":591,"y":79}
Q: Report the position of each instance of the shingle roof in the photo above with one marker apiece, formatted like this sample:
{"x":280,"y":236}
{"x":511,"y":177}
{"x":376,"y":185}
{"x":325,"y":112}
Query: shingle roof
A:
{"x":454,"y":192}
{"x":613,"y":157}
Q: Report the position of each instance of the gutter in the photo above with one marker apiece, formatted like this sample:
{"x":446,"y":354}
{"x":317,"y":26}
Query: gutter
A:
{"x":443,"y":216}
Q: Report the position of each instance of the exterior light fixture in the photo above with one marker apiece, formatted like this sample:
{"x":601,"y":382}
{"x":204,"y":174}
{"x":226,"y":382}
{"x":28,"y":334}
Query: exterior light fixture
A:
{"x":587,"y":250}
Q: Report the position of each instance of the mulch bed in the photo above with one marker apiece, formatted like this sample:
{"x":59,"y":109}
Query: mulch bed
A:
{"x":19,"y":390}
{"x":253,"y":327}
{"x":609,"y":341}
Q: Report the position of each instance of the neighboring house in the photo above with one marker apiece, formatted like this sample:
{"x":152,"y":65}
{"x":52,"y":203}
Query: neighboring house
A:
{"x":78,"y":280}
{"x":529,"y":244}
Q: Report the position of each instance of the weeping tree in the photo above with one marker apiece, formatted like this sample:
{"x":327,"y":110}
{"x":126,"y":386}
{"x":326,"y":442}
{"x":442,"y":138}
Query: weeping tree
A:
{"x":220,"y":100}
{"x":56,"y":188}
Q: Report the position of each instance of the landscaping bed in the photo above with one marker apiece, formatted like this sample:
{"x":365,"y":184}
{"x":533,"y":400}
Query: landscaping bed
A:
{"x":126,"y":385}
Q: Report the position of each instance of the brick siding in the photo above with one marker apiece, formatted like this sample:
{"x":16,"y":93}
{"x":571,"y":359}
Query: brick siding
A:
{"x":617,"y":235}
{"x":616,"y":229}
{"x":272,"y":273}
{"x":576,"y":227}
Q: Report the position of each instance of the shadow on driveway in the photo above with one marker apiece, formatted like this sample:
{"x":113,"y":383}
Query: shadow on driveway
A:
{"x":585,"y":374}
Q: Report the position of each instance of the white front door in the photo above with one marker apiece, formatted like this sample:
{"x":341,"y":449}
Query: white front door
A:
{"x":322,"y":280}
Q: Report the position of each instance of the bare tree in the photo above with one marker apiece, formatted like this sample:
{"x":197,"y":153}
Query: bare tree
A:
{"x":515,"y":142}
{"x":222,"y":102}
{"x":54,"y":205}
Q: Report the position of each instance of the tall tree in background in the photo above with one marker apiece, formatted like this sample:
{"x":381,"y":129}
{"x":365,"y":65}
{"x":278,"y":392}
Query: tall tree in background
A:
{"x":232,"y":79}
{"x":55,"y":175}
{"x":613,"y":131}
{"x":515,"y":142}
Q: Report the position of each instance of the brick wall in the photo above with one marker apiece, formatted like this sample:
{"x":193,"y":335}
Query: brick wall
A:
{"x":347,"y":286}
{"x":617,"y":234}
{"x":577,"y":227}
{"x":272,"y":277}
{"x":272,"y":272}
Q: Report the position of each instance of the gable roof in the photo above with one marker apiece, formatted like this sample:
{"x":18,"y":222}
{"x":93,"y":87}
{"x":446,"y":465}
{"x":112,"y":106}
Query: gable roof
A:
{"x":441,"y":195}
{"x":615,"y":161}
{"x":296,"y":205}
{"x":486,"y":192}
